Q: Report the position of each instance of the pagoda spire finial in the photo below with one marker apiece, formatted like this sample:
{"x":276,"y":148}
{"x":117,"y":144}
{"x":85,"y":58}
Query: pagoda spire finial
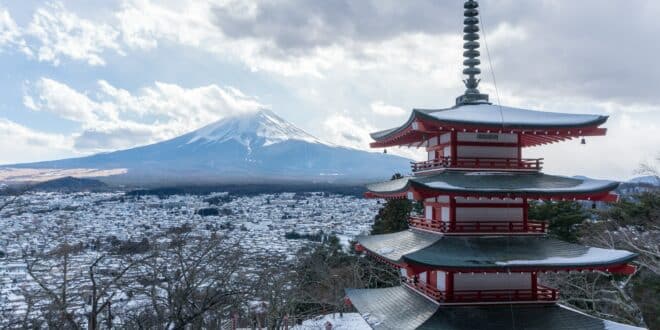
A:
{"x":471,"y":55}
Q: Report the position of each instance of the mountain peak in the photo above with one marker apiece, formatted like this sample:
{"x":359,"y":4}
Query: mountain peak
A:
{"x":255,"y":147}
{"x":260,"y":128}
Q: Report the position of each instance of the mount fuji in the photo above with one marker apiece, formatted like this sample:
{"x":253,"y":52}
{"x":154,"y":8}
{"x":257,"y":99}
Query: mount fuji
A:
{"x":256,"y":147}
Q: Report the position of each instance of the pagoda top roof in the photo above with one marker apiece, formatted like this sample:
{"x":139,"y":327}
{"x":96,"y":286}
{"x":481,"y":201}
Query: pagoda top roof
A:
{"x":402,"y":308}
{"x":482,"y":253}
{"x":490,"y":117}
{"x":469,"y":183}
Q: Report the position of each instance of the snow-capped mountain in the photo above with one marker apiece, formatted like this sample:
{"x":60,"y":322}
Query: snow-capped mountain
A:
{"x":255,"y":147}
{"x":253,"y":129}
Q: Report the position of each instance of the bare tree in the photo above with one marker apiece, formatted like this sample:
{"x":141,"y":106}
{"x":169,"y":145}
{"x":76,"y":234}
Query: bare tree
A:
{"x":102,"y":291}
{"x":70,"y":286}
{"x":273,"y":296}
{"x":50,"y":271}
{"x":190,"y":281}
{"x":651,"y":167}
{"x":323,"y":273}
{"x":599,"y":294}
{"x":10,"y":197}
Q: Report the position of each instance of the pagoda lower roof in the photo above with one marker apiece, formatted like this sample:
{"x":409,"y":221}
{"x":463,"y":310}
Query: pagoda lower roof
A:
{"x":401,"y":308}
{"x":519,"y":184}
{"x":541,"y":126}
{"x":489,"y":253}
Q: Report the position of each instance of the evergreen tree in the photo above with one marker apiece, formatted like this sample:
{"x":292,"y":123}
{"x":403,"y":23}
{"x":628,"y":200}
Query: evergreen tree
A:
{"x":393,"y":217}
{"x":564,"y":218}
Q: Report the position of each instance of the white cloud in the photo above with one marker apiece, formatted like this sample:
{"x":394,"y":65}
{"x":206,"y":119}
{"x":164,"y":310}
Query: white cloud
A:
{"x":144,"y":23}
{"x":380,"y":108}
{"x":631,"y":138}
{"x":112,"y":118}
{"x":21,"y":144}
{"x":59,"y":33}
{"x":345,"y":131}
{"x":53,"y":96}
{"x":9,"y":31}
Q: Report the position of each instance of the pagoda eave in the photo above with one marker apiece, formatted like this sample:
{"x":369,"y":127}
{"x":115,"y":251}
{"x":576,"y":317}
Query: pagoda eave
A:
{"x":425,"y":251}
{"x":415,"y":193}
{"x":495,"y":185}
{"x":620,"y":269}
{"x":422,"y":125}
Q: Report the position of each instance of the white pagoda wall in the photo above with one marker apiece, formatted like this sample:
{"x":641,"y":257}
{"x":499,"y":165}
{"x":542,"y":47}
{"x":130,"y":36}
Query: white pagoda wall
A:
{"x":493,"y":151}
{"x":438,"y":209}
{"x":485,"y":214}
{"x":493,"y":281}
{"x":441,"y":284}
{"x":514,"y":213}
{"x":494,"y":145}
{"x":487,"y":137}
{"x":486,"y":152}
{"x":438,"y":140}
{"x":434,"y":212}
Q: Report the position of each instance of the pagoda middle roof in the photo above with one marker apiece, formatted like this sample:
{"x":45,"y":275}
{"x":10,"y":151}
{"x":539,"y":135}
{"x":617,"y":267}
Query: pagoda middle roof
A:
{"x":496,"y":117}
{"x":481,"y":253}
{"x":494,"y":183}
{"x":401,"y":308}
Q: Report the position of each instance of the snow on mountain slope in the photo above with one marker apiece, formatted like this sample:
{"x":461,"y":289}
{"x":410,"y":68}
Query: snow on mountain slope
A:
{"x":262,"y":128}
{"x":251,"y":147}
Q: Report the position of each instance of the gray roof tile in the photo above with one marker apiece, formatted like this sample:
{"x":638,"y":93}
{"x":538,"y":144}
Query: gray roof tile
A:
{"x":402,"y":309}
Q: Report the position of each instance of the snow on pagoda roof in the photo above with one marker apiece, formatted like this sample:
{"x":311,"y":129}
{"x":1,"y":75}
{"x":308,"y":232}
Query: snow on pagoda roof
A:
{"x":392,"y":308}
{"x":401,"y":308}
{"x":394,"y":246}
{"x":495,"y":183}
{"x":495,"y":116}
{"x":489,"y":252}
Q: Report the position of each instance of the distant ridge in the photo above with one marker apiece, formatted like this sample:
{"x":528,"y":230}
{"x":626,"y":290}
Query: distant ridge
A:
{"x":257,"y":147}
{"x":68,"y":184}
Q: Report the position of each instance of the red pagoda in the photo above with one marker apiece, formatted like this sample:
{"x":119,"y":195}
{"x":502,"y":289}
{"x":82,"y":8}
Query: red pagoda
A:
{"x":472,"y":260}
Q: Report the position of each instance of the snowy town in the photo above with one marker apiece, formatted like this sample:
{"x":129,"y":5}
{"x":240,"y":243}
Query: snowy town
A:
{"x":258,"y":223}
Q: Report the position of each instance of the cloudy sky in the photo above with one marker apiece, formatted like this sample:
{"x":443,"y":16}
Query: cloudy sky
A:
{"x":82,"y":76}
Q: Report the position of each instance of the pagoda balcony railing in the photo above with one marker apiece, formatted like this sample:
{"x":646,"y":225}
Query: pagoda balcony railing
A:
{"x":478,"y":226}
{"x":541,"y":293}
{"x":476,"y":163}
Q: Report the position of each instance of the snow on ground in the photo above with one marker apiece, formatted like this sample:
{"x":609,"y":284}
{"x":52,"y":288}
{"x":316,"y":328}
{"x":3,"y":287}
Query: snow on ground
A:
{"x":349,"y":321}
